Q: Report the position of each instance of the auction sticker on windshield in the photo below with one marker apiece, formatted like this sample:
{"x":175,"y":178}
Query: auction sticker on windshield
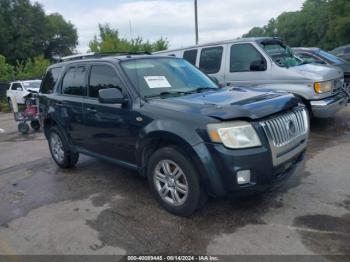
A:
{"x":157,"y":82}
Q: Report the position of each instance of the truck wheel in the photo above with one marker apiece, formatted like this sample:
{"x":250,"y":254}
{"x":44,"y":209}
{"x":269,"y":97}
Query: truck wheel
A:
{"x":60,"y":150}
{"x":23,"y":128}
{"x":174,"y":181}
{"x":35,"y":124}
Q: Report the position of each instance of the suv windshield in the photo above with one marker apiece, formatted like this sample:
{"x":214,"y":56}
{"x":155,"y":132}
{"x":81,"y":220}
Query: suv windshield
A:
{"x":165,"y":76}
{"x":281,"y":54}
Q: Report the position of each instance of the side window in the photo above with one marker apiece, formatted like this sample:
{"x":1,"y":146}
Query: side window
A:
{"x":210,"y":60}
{"x":347,"y":50}
{"x":242,"y":56}
{"x":191,"y":56}
{"x":50,"y":80}
{"x":74,"y":81}
{"x":101,"y":77}
{"x":17,"y":85}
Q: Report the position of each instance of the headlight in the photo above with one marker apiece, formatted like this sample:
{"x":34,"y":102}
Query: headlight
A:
{"x":236,"y":134}
{"x":323,"y":87}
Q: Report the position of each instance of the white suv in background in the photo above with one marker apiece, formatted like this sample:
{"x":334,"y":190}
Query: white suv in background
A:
{"x":20,"y":89}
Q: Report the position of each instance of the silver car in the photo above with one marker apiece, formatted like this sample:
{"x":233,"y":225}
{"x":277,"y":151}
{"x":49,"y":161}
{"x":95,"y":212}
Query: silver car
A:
{"x":268,"y":63}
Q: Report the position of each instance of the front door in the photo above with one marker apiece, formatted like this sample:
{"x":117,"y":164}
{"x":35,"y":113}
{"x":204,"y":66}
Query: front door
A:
{"x":239,"y":70}
{"x":109,"y":129}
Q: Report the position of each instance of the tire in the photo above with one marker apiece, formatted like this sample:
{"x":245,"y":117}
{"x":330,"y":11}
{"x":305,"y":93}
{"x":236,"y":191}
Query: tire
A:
{"x":23,"y":128}
{"x":180,"y":177}
{"x":60,"y":150}
{"x":35,"y":124}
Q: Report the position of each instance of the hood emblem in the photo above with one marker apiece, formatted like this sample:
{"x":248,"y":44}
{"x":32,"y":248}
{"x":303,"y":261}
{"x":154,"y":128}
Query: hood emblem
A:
{"x":291,"y":129}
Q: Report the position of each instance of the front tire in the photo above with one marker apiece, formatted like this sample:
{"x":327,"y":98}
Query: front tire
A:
{"x":174,"y":181}
{"x":60,"y":150}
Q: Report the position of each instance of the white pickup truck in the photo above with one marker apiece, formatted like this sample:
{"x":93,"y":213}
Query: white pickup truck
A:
{"x":19,"y":89}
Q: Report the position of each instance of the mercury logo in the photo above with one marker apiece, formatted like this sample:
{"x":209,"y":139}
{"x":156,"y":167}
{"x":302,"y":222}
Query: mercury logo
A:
{"x":291,"y":128}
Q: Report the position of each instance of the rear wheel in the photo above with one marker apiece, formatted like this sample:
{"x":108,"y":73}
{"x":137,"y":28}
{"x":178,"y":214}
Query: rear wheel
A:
{"x":23,"y":128}
{"x":60,"y":151}
{"x":174,"y":181}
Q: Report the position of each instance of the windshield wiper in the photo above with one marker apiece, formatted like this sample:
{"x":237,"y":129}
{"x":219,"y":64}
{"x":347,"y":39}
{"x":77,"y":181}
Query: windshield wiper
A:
{"x":164,"y":94}
{"x":201,"y":89}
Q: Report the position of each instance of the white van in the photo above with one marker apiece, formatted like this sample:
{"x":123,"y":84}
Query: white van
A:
{"x":267,"y":62}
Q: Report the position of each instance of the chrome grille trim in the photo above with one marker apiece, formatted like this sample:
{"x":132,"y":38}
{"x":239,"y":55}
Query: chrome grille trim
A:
{"x":285,"y":144}
{"x":278,"y":129}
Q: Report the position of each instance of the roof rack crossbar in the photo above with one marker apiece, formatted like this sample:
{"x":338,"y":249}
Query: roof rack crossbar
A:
{"x":98,"y":55}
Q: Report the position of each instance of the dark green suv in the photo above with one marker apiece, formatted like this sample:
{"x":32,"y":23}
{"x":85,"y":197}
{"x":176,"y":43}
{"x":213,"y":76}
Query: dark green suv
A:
{"x":167,"y":120}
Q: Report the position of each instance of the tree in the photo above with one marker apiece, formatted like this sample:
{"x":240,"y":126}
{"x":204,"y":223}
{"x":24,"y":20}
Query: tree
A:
{"x":322,"y":23}
{"x":109,"y":41}
{"x":61,"y":36}
{"x":32,"y":68}
{"x":6,"y":70}
{"x":26,"y":32}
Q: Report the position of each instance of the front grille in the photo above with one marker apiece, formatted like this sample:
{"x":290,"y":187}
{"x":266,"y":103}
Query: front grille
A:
{"x":285,"y":128}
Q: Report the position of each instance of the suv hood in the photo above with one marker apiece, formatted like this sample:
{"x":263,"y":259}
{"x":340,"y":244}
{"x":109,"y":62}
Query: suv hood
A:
{"x":230,"y":103}
{"x":318,"y":72}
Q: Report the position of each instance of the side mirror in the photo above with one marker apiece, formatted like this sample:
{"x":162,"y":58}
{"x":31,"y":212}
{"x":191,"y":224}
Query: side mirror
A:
{"x":19,"y":89}
{"x":258,"y":65}
{"x":111,"y":96}
{"x":214,"y":79}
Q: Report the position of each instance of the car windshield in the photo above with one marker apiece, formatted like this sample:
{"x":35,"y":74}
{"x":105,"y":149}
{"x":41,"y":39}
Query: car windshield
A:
{"x":154,"y":77}
{"x":32,"y":84}
{"x":331,"y":58}
{"x":282,"y":55}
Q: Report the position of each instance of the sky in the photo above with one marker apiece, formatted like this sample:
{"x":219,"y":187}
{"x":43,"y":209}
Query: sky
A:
{"x":171,"y":19}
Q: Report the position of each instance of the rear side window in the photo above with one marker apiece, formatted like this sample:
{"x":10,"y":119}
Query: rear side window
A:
{"x":210,"y":60}
{"x":191,"y":56}
{"x":50,"y":80}
{"x":74,"y":81}
{"x":242,"y":56}
{"x":347,"y":50}
{"x":101,"y":77}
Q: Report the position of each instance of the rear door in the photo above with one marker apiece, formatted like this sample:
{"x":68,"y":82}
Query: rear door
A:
{"x":108,"y":129}
{"x":239,"y":70}
{"x":69,"y":104}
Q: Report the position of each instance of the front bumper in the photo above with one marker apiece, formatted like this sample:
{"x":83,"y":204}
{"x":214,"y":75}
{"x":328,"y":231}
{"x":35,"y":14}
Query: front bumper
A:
{"x":225,"y":163}
{"x":329,"y":106}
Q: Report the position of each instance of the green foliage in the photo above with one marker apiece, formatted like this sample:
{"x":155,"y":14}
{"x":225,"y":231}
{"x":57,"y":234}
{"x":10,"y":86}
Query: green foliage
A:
{"x":6,"y":70}
{"x":32,"y":68}
{"x":322,"y":23}
{"x":27,"y":32}
{"x":109,"y":41}
{"x":4,"y":106}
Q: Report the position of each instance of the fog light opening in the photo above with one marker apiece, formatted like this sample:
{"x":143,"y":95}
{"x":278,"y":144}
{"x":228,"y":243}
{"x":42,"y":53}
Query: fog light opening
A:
{"x":243,"y":177}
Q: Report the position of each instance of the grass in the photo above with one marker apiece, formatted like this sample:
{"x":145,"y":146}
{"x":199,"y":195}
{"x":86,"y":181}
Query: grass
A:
{"x":4,"y":106}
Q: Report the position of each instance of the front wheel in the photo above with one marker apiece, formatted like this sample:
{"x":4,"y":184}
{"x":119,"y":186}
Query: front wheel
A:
{"x":174,"y":181}
{"x":35,"y":124}
{"x":60,"y":151}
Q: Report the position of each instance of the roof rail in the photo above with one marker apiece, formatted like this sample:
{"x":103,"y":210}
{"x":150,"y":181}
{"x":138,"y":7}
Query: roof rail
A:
{"x":98,"y":55}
